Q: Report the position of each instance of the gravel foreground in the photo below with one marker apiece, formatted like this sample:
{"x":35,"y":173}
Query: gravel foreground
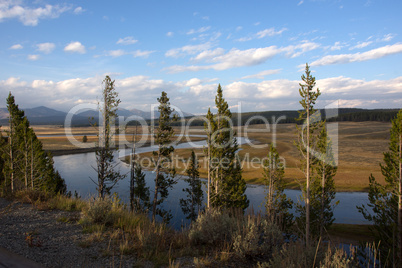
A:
{"x":43,"y":238}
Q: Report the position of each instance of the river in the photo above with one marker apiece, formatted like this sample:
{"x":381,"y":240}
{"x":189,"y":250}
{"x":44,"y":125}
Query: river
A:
{"x":77,"y":169}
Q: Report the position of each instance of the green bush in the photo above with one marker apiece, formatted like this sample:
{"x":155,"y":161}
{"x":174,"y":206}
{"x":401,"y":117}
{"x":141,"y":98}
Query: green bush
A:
{"x":257,"y":237}
{"x":213,"y":227}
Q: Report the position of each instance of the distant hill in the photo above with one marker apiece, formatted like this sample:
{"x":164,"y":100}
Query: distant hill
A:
{"x":46,"y":116}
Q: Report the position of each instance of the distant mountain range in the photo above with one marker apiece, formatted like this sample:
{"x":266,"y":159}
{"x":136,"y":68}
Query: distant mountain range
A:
{"x":46,"y":116}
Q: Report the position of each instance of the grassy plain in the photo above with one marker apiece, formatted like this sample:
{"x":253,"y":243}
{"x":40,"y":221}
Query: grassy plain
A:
{"x":360,"y":150}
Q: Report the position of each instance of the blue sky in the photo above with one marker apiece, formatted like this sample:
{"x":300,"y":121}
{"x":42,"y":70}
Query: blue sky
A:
{"x":56,"y":53}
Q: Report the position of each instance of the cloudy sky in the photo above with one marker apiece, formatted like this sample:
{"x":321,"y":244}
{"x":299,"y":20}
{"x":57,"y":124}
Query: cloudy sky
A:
{"x":56,"y":53}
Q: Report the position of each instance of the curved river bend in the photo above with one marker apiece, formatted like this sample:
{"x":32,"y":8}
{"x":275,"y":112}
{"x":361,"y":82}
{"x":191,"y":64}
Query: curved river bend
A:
{"x":77,"y":169}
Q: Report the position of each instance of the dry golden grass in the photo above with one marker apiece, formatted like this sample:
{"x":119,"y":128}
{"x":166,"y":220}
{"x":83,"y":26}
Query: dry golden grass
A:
{"x":361,"y":147}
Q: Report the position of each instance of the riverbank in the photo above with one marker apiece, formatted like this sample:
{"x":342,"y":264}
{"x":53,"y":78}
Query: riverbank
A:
{"x":58,"y":238}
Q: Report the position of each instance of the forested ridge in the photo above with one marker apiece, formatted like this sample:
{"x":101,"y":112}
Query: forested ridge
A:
{"x":290,"y":116}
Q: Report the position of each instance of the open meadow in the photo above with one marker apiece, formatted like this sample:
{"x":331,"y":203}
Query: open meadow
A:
{"x":360,"y":149}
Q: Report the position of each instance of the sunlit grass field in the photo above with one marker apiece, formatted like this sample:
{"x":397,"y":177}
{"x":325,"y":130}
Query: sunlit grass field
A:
{"x":360,"y":150}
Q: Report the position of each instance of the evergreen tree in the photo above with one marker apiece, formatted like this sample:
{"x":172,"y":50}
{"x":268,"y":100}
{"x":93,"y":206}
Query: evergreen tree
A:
{"x":227,"y":185}
{"x":322,"y":191}
{"x":306,"y":135}
{"x":277,"y":203}
{"x":13,"y":155}
{"x":210,"y":128}
{"x":386,"y":200}
{"x":26,"y":165}
{"x":323,"y":186}
{"x":2,"y":146}
{"x":164,"y":179}
{"x":192,"y":205}
{"x":139,"y":192}
{"x":105,"y":165}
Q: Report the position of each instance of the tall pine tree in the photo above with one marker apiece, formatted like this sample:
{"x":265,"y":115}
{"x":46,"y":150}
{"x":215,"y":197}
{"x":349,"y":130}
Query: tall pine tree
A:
{"x":192,"y":205}
{"x":277,"y":203}
{"x":164,"y":179}
{"x":227,"y":188}
{"x":139,"y":192}
{"x":105,"y":164}
{"x":386,"y":200}
{"x":306,"y":136}
{"x":323,"y":186}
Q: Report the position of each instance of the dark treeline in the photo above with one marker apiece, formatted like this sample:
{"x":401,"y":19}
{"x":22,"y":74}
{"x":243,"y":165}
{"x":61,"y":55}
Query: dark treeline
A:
{"x":283,"y":117}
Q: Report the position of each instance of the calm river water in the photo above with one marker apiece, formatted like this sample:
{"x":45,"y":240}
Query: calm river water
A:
{"x":77,"y":169}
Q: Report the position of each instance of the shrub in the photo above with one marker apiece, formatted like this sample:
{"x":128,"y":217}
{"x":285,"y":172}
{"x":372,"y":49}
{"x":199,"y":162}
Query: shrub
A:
{"x":99,"y":211}
{"x":213,"y":227}
{"x":339,"y":258}
{"x":256,"y":237}
{"x":294,"y":255}
{"x":32,"y":196}
{"x":63,"y":202}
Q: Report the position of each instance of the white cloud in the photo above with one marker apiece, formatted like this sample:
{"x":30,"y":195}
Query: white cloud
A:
{"x":78,"y":10}
{"x":16,"y":46}
{"x":194,"y":94}
{"x":75,"y":47}
{"x":301,"y":48}
{"x":269,"y":32}
{"x":33,"y":57}
{"x":200,"y":30}
{"x":142,"y":53}
{"x":169,"y":34}
{"x":46,"y":47}
{"x":187,"y":50}
{"x":336,"y":46}
{"x":239,"y":58}
{"x":116,"y":53}
{"x":27,"y":15}
{"x":209,"y":54}
{"x":271,"y":89}
{"x":262,"y":74}
{"x":261,"y":34}
{"x":135,"y":54}
{"x":301,"y":2}
{"x":129,"y":40}
{"x":388,"y":37}
{"x":356,"y":57}
{"x":361,"y":45}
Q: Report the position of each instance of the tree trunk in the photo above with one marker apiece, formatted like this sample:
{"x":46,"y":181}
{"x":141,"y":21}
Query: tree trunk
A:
{"x":32,"y":166}
{"x":209,"y":171}
{"x":26,"y":160}
{"x":400,"y":199}
{"x":156,"y":187}
{"x":308,"y":173}
{"x":10,"y":140}
{"x":322,"y":198}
